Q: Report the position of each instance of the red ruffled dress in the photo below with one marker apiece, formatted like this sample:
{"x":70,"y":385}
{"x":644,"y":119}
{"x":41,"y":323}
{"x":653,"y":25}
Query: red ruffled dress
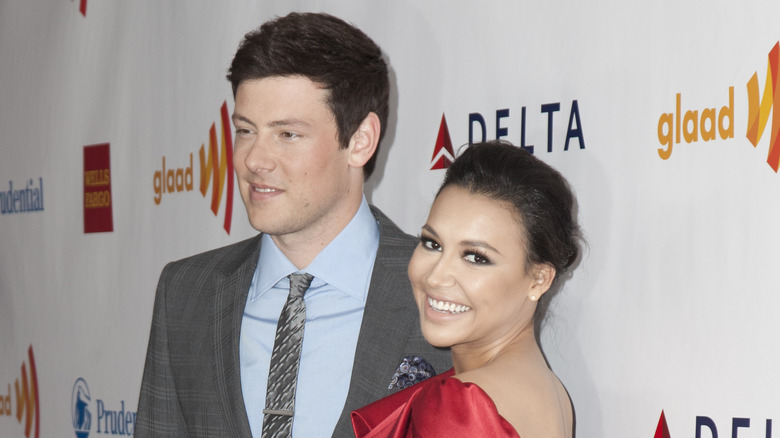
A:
{"x":438,"y":407}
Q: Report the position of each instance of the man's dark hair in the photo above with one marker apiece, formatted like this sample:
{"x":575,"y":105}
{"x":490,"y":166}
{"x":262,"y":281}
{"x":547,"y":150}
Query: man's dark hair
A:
{"x":331,"y":53}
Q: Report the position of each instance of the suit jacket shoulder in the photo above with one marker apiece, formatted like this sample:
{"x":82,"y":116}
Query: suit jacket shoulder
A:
{"x":191,"y":384}
{"x":390,"y":330}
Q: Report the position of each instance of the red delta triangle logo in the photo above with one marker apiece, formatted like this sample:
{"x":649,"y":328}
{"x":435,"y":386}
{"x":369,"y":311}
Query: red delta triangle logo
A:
{"x":443,"y":153}
{"x":662,"y":430}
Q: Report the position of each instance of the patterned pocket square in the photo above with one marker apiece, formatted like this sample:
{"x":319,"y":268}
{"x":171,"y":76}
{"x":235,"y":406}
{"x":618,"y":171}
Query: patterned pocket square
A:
{"x":413,"y":369}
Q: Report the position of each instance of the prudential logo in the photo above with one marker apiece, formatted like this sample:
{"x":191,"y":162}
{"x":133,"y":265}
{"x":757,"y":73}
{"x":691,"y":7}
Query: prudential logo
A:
{"x":79,"y":408}
{"x":107,"y":421}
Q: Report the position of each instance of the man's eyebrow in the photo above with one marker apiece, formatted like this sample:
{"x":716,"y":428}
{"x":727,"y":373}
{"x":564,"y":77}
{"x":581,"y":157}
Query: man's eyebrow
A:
{"x":287,"y":122}
{"x":240,"y":118}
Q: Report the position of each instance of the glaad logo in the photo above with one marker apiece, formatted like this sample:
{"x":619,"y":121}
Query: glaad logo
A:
{"x":759,"y":114}
{"x":221,"y":168}
{"x":703,"y":422}
{"x":216,"y":164}
{"x":477,"y":122}
{"x":27,"y":405}
{"x":109,"y":422}
{"x":79,"y":408}
{"x":672,"y":127}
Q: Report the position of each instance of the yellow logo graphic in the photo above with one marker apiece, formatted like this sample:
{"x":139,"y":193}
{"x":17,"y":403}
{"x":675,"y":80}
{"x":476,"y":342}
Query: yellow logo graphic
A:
{"x":27,"y":405}
{"x":221,"y":165}
{"x":758,"y":114}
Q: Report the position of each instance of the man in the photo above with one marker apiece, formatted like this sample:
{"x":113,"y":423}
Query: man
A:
{"x":311,"y":105}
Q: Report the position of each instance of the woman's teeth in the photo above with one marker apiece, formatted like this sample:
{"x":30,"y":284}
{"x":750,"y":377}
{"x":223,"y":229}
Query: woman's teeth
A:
{"x":447,"y":307}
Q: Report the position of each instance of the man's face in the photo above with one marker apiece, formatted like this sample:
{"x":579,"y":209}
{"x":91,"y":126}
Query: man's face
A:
{"x":292,"y":173}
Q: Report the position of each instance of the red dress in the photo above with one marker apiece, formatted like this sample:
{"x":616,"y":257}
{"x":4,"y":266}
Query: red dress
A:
{"x":438,"y":407}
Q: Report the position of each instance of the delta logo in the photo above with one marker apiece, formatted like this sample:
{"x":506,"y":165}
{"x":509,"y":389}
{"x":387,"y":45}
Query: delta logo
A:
{"x":27,"y":400}
{"x":444,"y":154}
{"x":711,"y":123}
{"x":216,"y":165}
{"x":705,"y":427}
{"x":107,"y":421}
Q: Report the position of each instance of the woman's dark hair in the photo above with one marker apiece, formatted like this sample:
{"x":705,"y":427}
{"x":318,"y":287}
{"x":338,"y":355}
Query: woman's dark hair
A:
{"x":331,"y":53}
{"x":539,"y":196}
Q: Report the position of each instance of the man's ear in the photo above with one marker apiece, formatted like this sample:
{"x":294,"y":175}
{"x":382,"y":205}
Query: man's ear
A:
{"x":543,"y":274}
{"x":363,"y":143}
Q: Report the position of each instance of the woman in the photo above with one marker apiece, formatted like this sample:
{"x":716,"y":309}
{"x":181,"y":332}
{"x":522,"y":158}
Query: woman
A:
{"x":499,"y":232}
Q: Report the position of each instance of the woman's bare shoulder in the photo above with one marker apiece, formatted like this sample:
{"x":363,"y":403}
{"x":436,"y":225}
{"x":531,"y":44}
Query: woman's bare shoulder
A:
{"x":528,"y":395}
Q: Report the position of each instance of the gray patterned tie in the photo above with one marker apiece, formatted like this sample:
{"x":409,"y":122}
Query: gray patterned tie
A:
{"x":283,"y":375}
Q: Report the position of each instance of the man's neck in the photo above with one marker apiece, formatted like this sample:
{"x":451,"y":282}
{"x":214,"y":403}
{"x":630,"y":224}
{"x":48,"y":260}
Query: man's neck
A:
{"x":303,"y":246}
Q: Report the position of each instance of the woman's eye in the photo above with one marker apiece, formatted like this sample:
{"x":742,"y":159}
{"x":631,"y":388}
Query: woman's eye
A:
{"x":476,"y":258}
{"x":430,"y":244}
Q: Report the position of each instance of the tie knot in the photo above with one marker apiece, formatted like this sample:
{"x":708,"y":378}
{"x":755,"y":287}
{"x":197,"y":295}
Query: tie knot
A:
{"x":299,"y":283}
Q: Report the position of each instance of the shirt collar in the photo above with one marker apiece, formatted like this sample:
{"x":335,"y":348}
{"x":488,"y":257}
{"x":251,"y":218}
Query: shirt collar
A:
{"x":345,"y":263}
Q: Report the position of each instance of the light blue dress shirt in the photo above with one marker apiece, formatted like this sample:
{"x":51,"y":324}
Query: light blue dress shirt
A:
{"x":334,"y":311}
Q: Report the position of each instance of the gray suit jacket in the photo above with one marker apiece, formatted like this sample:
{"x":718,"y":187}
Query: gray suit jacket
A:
{"x":192,"y":383}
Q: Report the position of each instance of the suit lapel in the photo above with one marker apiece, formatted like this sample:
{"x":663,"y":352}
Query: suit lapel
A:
{"x":230,"y":295}
{"x":389,"y":317}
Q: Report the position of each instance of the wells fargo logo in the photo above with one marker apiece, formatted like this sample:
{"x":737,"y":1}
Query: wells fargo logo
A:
{"x":98,"y":211}
{"x":216,"y":166}
{"x":27,"y":405}
{"x":712,"y":123}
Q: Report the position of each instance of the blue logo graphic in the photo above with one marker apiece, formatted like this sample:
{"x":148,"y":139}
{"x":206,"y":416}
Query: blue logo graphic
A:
{"x":79,"y":408}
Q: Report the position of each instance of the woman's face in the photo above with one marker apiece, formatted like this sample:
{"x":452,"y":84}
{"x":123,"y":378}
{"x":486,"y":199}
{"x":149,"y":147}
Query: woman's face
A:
{"x":468,"y":273}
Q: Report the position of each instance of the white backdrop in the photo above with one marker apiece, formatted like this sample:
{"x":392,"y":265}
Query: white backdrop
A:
{"x":671,"y":309}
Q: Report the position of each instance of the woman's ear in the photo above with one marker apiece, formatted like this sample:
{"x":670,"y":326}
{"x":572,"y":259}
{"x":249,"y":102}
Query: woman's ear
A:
{"x":364,"y":141}
{"x":543,"y":275}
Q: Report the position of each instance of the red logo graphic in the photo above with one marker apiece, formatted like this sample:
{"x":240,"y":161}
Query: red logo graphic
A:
{"x":443,"y":154}
{"x":662,"y":431}
{"x":220,"y":162}
{"x":758,"y":114}
{"x":98,"y":211}
{"x":27,"y":405}
{"x":83,"y":7}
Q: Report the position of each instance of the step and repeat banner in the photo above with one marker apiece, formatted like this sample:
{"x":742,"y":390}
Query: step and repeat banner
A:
{"x":115,"y":158}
